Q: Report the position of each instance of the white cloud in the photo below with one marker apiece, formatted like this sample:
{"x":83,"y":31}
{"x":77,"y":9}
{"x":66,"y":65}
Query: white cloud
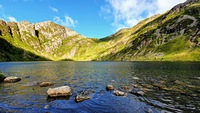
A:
{"x":12,"y":19}
{"x":126,"y":13}
{"x":53,"y":9}
{"x":5,"y":17}
{"x":68,"y":21}
{"x":164,"y":5}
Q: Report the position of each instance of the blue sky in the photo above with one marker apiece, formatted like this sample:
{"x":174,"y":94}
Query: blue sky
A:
{"x":92,"y":18}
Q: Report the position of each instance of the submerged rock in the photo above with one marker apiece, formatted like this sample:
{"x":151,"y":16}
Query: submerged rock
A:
{"x":81,"y":97}
{"x":27,"y":77}
{"x":126,"y":88}
{"x":2,"y":77}
{"x":47,"y":107}
{"x":179,"y":82}
{"x":166,"y":99}
{"x":12,"y":79}
{"x":84,"y":96}
{"x":135,"y":78}
{"x":110,"y":87}
{"x":45,"y":84}
{"x":119,"y":93}
{"x":50,"y":99}
{"x":137,"y":92}
{"x":198,"y":78}
{"x":145,"y":89}
{"x":147,"y":86}
{"x":160,"y":86}
{"x":34,"y":83}
{"x":135,"y":85}
{"x":59,"y":91}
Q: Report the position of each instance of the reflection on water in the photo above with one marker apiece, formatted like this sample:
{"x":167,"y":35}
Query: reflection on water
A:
{"x":174,"y":86}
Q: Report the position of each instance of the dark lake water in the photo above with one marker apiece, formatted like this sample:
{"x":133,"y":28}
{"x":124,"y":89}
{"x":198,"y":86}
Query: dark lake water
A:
{"x":173,"y":87}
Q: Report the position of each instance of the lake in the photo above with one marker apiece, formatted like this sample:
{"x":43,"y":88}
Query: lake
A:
{"x":170,"y":87}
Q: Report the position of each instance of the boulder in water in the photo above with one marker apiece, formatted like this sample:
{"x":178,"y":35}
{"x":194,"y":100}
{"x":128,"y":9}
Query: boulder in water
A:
{"x":12,"y":79}
{"x":45,"y":84}
{"x":81,"y":97}
{"x":59,"y":91}
{"x":119,"y":93}
{"x":110,"y":87}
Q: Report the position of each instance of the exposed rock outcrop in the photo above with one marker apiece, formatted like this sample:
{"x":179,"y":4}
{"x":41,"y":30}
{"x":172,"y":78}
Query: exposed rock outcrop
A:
{"x":183,"y":5}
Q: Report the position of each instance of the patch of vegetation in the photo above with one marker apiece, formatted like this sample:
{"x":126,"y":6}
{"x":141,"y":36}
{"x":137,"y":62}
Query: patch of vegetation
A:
{"x":9,"y":52}
{"x":2,"y":77}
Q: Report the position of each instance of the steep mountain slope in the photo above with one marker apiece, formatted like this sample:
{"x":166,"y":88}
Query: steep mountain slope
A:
{"x":9,"y":52}
{"x":45,"y":39}
{"x":174,"y":35}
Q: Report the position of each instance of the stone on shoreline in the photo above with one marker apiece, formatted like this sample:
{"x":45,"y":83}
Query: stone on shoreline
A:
{"x":12,"y":79}
{"x":59,"y":91}
{"x":45,"y":84}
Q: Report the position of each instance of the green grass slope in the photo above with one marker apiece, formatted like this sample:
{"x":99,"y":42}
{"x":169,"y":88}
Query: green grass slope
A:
{"x":173,"y":36}
{"x":9,"y":52}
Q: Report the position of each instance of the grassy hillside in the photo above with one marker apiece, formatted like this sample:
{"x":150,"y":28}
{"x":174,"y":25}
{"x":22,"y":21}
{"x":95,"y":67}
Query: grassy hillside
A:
{"x":9,"y":52}
{"x":172,"y":36}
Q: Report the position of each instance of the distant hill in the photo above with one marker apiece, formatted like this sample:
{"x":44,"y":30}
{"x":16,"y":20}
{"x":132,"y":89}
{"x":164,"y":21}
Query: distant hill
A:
{"x":173,"y":36}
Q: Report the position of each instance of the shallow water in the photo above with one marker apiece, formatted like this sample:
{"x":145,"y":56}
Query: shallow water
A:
{"x":173,"y":86}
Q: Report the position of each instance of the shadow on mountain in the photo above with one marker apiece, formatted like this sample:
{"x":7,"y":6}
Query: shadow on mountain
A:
{"x":66,"y":60}
{"x":9,"y":52}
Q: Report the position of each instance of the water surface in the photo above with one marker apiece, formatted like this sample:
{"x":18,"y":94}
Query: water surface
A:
{"x":174,"y":87}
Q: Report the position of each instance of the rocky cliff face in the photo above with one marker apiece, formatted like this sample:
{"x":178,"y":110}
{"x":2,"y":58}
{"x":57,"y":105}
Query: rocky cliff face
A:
{"x":174,"y":35}
{"x":183,"y":5}
{"x":43,"y":39}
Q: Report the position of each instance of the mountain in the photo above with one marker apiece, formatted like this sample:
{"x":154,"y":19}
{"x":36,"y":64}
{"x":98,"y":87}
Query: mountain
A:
{"x":174,"y":35}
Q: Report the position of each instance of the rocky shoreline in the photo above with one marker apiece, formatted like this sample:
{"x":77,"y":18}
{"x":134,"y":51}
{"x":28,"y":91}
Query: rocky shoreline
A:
{"x":134,"y":89}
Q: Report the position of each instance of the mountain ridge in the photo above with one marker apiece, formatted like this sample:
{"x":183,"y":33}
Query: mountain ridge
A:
{"x":171,"y":36}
